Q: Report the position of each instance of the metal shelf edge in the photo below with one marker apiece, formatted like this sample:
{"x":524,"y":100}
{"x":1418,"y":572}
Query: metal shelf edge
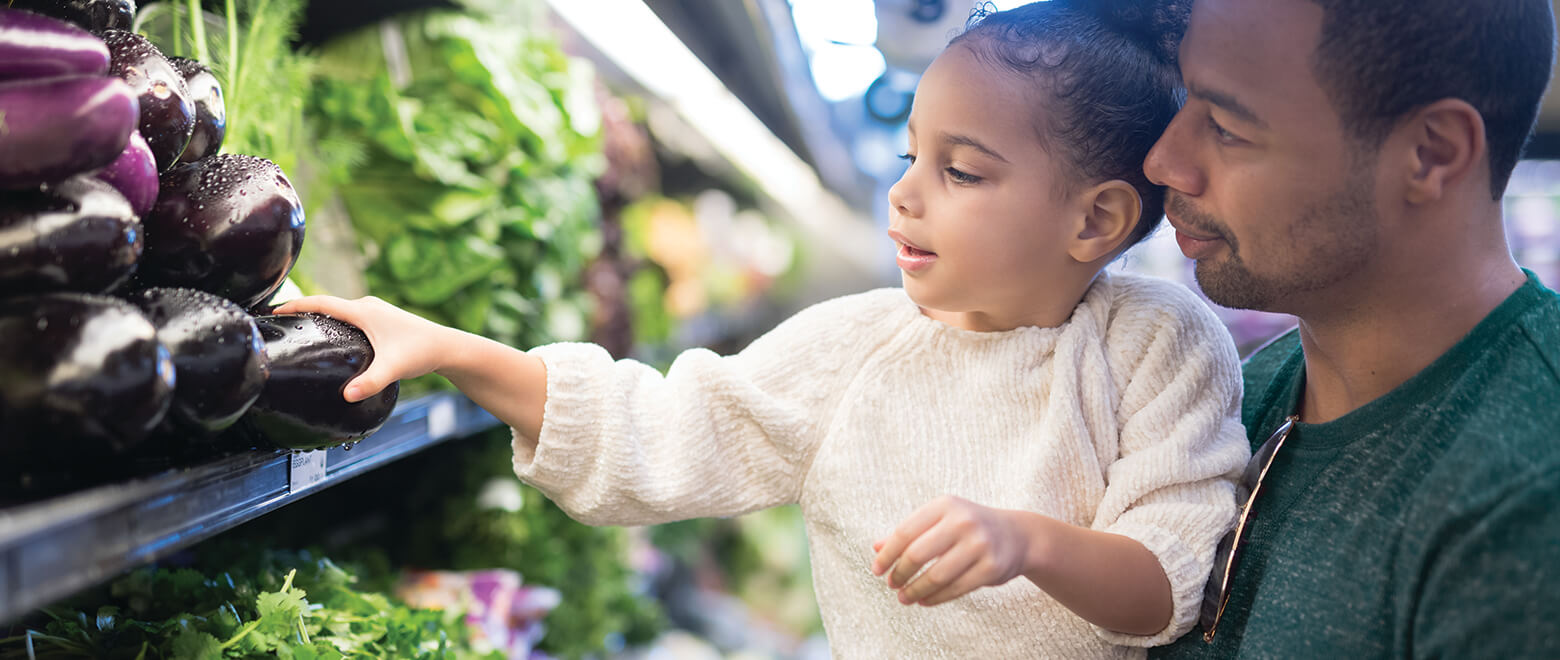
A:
{"x":55,"y":547}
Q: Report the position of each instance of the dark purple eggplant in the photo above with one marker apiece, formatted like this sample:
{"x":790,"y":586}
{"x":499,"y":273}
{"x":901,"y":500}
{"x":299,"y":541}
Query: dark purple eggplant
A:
{"x":217,"y":351}
{"x":81,"y":377}
{"x":312,"y":357}
{"x":167,"y":111}
{"x":134,"y":175}
{"x":76,"y":235}
{"x":94,"y":15}
{"x":230,"y":225}
{"x":210,"y":109}
{"x":34,"y":46}
{"x":53,"y":128}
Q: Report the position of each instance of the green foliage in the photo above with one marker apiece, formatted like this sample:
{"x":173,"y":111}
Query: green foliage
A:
{"x":479,"y":144}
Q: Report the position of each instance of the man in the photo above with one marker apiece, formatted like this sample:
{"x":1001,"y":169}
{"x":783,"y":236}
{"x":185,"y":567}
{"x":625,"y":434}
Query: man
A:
{"x":1343,"y":161}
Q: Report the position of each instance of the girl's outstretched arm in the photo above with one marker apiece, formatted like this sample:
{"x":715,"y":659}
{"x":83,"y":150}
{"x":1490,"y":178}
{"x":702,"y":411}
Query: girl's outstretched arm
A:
{"x":506,"y":382}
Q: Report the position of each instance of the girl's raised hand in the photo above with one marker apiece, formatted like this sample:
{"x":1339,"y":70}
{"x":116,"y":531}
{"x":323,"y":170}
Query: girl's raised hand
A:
{"x":405,"y":345}
{"x":973,"y":546}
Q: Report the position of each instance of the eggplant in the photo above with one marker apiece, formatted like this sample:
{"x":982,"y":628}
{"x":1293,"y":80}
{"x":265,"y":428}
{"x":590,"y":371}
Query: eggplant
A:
{"x":94,"y":15}
{"x":52,"y":128}
{"x":230,"y":225}
{"x":77,"y":235}
{"x":217,"y":352}
{"x":167,"y":111}
{"x":35,"y":46}
{"x":312,"y":357}
{"x":81,"y":377}
{"x":210,"y":109}
{"x":134,"y":175}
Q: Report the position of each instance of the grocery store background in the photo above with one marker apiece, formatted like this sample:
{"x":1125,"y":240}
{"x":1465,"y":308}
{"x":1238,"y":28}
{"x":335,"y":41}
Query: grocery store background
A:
{"x":652,"y":175}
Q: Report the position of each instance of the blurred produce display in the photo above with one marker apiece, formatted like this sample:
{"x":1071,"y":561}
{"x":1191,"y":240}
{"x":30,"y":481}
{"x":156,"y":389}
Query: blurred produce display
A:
{"x":703,"y":265}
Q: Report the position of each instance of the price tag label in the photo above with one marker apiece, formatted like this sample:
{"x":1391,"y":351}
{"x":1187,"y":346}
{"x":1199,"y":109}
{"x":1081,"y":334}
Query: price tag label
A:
{"x":306,"y":470}
{"x":441,"y":418}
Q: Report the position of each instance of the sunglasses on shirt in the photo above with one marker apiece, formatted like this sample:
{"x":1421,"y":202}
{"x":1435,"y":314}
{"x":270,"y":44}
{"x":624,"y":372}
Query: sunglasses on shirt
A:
{"x":1216,"y":595}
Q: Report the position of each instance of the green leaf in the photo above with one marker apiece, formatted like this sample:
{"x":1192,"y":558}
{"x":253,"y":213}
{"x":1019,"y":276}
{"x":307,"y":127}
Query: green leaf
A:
{"x":190,"y":645}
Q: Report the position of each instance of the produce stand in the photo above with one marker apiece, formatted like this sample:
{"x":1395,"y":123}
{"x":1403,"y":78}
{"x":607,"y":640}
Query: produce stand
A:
{"x":52,"y":548}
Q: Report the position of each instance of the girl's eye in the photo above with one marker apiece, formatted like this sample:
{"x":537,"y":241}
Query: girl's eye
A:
{"x":909,"y":158}
{"x":959,"y":176}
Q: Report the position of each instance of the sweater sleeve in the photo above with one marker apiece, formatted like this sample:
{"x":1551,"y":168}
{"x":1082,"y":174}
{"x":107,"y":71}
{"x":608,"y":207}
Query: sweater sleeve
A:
{"x":621,"y":444}
{"x":1181,"y":444}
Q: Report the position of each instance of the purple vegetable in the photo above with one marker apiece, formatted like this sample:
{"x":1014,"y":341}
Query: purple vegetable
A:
{"x":167,"y":112}
{"x":134,"y":175}
{"x":312,"y":357}
{"x":230,"y":225}
{"x":84,"y":377}
{"x":94,"y":15}
{"x":76,"y":235}
{"x":34,"y":46}
{"x":218,"y":353}
{"x":210,"y":110}
{"x":56,"y":127}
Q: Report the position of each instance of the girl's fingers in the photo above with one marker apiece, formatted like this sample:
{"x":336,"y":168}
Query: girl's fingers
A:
{"x":368,"y":383}
{"x":950,"y":566}
{"x":907,"y":531}
{"x":928,"y":546}
{"x":318,"y":304}
{"x":969,"y":581}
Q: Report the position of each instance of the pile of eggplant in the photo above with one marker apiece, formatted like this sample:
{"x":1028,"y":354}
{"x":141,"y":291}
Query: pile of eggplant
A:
{"x":137,"y":260}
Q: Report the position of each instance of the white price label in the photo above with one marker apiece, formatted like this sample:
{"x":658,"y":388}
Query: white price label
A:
{"x":441,"y":418}
{"x":306,"y":469}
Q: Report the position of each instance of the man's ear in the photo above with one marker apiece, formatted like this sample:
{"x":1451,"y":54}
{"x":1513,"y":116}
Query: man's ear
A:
{"x":1446,"y":147}
{"x":1111,"y":211}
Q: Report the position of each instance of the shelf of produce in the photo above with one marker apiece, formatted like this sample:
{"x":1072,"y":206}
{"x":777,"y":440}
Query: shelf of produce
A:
{"x":50,"y":549}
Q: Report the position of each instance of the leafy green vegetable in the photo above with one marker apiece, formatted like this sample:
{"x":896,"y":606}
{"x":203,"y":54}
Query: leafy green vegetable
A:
{"x":479,"y":144}
{"x":269,"y":604}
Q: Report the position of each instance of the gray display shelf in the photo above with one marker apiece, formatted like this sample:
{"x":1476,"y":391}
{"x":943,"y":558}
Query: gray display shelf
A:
{"x":52,"y":548}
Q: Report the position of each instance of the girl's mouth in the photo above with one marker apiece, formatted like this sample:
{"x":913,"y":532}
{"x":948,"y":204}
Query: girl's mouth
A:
{"x":911,"y":259}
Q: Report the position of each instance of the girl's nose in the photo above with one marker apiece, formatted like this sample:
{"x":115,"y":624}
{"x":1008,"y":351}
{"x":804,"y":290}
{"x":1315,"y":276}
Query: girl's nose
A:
{"x":902,"y":197}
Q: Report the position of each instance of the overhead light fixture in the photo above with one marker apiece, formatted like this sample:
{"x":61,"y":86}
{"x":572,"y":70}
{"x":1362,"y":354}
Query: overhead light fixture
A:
{"x":635,"y":40}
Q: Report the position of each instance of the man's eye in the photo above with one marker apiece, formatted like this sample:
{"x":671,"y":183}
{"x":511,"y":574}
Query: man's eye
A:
{"x":962,"y":177}
{"x":1219,"y":132}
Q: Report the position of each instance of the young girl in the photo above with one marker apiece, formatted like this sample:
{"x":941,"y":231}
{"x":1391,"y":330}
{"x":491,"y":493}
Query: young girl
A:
{"x":1012,"y":411}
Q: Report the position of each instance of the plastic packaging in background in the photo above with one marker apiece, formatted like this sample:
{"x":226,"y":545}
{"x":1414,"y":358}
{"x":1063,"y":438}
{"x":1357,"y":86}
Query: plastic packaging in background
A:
{"x":503,"y":613}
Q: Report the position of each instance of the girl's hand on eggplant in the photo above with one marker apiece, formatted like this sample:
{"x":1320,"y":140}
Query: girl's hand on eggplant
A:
{"x":405,"y":345}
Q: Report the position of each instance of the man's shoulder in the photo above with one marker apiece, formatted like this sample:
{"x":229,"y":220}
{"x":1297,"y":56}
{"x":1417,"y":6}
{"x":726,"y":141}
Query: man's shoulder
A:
{"x":1540,"y":327}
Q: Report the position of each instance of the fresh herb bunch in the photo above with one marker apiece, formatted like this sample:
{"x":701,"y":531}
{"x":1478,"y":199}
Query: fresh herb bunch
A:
{"x":266,"y":605}
{"x":474,"y":196}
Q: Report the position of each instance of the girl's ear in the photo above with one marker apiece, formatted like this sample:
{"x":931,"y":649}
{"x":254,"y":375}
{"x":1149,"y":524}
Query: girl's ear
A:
{"x":1111,"y":212}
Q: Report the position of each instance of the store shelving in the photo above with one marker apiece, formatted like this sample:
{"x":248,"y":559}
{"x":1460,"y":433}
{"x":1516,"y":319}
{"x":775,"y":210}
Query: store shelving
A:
{"x":52,"y":548}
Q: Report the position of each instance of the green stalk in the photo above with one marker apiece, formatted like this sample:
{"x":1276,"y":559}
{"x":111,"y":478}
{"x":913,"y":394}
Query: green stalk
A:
{"x":178,"y":33}
{"x":198,"y":32}
{"x":242,"y":632}
{"x":232,"y":99}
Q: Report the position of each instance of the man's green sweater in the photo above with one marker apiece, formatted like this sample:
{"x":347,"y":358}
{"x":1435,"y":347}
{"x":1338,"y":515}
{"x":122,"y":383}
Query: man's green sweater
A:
{"x":1425,"y":524}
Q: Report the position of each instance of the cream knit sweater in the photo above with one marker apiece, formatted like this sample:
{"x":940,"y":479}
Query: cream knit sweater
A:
{"x":1124,"y":419}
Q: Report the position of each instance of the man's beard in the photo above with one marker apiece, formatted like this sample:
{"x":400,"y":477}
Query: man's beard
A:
{"x":1330,"y":241}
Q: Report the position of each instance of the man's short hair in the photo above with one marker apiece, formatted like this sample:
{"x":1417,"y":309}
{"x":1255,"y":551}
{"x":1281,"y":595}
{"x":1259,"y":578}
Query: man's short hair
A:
{"x":1379,"y":60}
